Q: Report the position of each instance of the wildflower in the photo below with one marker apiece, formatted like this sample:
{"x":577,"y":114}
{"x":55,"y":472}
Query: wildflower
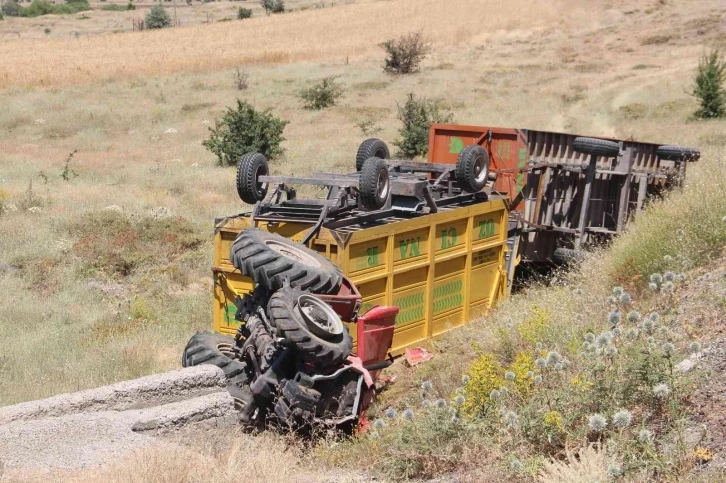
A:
{"x":426,"y":386}
{"x":618,"y":291}
{"x":667,"y":258}
{"x":530,"y":374}
{"x":538,"y":346}
{"x":669,"y":276}
{"x":459,"y":400}
{"x":667,"y":287}
{"x":616,"y":331}
{"x":454,"y":419}
{"x":645,"y":436}
{"x":612,"y":300}
{"x":622,"y":418}
{"x":654,"y":316}
{"x":516,"y":465}
{"x":537,"y":379}
{"x":171,"y":130}
{"x":648,"y":326}
{"x":509,"y":376}
{"x":379,"y":424}
{"x":626,"y":299}
{"x":653,"y":286}
{"x":578,"y":317}
{"x":590,"y":337}
{"x":599,"y":366}
{"x":559,"y":366}
{"x":679,"y":232}
{"x":577,"y":291}
{"x":390,"y":413}
{"x":553,"y":358}
{"x":668,"y":348}
{"x":465,"y":379}
{"x":604,"y":339}
{"x":656,"y":278}
{"x":408,"y":414}
{"x":588,"y":347}
{"x":540,"y":362}
{"x":426,"y":402}
{"x":633,"y":316}
{"x":503,"y":391}
{"x":614,"y":317}
{"x":681,"y":277}
{"x":611,"y":351}
{"x":631,"y":333}
{"x":511,"y":419}
{"x":615,"y":470}
{"x":35,"y":209}
{"x":440,"y":403}
{"x":661,"y":390}
{"x":597,"y":422}
{"x":695,"y":347}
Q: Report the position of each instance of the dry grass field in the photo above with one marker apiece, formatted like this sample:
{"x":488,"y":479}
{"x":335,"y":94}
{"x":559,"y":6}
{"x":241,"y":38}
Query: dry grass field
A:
{"x":104,"y":266}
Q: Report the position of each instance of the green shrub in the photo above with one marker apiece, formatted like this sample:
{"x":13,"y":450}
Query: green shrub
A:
{"x":243,"y":130}
{"x":113,"y":7}
{"x":130,"y":6}
{"x":11,"y":8}
{"x":417,"y":115}
{"x":273,"y":6}
{"x":157,"y":18}
{"x":708,"y":86}
{"x":403,"y":55}
{"x":244,"y":13}
{"x":44,"y":7}
{"x":322,"y":94}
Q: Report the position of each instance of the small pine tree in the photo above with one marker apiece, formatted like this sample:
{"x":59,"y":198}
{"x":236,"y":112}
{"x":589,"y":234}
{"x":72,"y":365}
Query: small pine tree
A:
{"x":708,"y":86}
{"x":417,"y":115}
{"x":157,"y":18}
{"x":243,"y":13}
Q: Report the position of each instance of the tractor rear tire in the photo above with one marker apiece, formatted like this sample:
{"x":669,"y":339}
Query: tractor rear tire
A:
{"x":285,"y":315}
{"x":215,"y":349}
{"x":472,"y":168}
{"x":374,"y":184}
{"x":678,"y":153}
{"x":598,"y":147}
{"x":371,"y":148}
{"x":567,"y":256}
{"x":270,"y":259}
{"x":250,"y":167}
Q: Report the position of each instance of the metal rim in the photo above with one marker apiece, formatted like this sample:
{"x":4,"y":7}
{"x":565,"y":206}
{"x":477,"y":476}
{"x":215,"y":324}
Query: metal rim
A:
{"x":291,"y":251}
{"x":261,"y":187}
{"x":383,"y":184}
{"x":481,"y":169}
{"x":319,"y":316}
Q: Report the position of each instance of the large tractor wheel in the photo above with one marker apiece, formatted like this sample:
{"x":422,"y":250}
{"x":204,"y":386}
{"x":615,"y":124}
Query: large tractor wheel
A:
{"x":315,"y":331}
{"x":598,"y":147}
{"x":251,"y":166}
{"x":216,"y":349}
{"x":371,"y":148}
{"x":374,"y":184}
{"x":270,"y":259}
{"x":678,"y":153}
{"x":472,"y":168}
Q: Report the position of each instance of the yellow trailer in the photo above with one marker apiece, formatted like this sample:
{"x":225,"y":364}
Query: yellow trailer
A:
{"x":442,"y":268}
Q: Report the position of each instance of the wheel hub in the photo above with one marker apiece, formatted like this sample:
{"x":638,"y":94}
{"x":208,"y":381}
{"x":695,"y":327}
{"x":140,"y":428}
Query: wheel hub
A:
{"x":319,"y":316}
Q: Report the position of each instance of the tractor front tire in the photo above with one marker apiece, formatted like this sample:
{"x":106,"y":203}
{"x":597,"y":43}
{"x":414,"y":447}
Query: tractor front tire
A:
{"x":216,"y":349}
{"x":270,"y":259}
{"x":285,"y":314}
{"x":371,"y":148}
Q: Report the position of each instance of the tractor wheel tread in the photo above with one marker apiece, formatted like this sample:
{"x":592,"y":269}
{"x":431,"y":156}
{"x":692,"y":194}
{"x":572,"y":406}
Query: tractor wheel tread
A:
{"x":678,"y":153}
{"x":466,"y":174}
{"x":248,"y":189}
{"x":202,"y":348}
{"x":252,"y":255}
{"x":370,"y":173}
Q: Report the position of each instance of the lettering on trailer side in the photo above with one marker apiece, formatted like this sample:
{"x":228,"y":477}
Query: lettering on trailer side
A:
{"x":368,"y":259}
{"x":448,"y":238}
{"x":455,"y":145}
{"x":410,"y":248}
{"x":487,"y":228}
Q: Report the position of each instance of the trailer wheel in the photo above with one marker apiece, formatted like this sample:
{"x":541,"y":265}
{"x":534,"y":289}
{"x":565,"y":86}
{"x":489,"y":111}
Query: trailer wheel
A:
{"x":678,"y":153}
{"x":216,"y":349}
{"x":567,"y":256}
{"x":374,"y":184}
{"x":270,"y":259}
{"x":472,"y":168}
{"x":250,"y":167}
{"x":598,"y":147}
{"x":371,"y":148}
{"x":285,"y":311}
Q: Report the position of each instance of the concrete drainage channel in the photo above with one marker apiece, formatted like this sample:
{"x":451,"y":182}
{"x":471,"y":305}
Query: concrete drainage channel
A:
{"x":90,"y":427}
